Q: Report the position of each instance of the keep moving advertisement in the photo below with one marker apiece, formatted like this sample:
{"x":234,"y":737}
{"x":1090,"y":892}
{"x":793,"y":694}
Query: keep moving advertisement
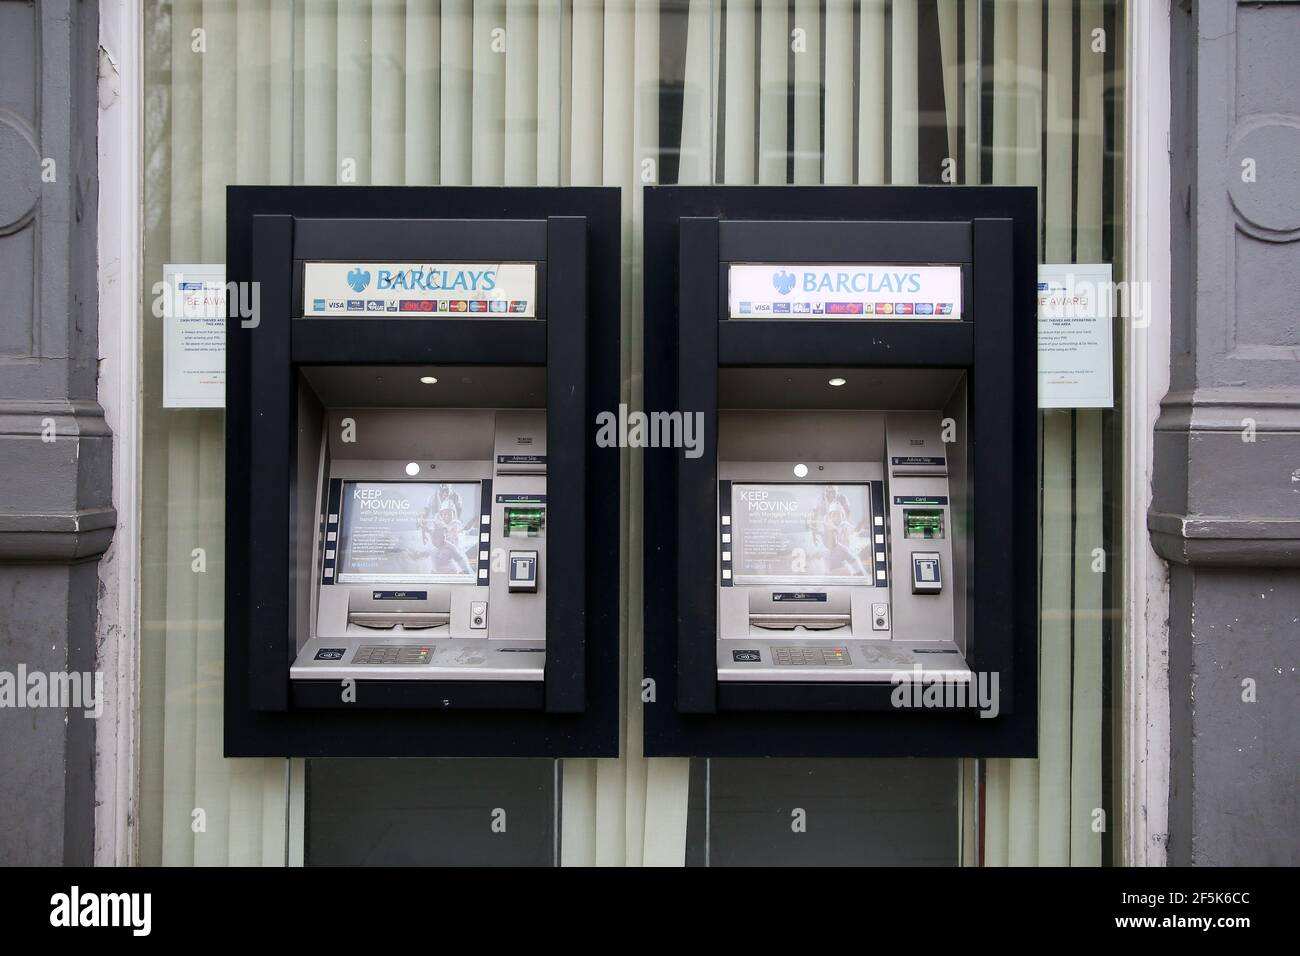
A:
{"x":400,"y":531}
{"x":813,"y":533}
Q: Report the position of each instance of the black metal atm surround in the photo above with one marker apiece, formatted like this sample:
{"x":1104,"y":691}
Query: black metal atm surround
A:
{"x":863,"y":504}
{"x":406,"y":576}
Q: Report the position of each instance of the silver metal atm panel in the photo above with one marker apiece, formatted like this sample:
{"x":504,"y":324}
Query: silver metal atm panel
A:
{"x":921,"y":524}
{"x":808,"y":627}
{"x":436,"y":601}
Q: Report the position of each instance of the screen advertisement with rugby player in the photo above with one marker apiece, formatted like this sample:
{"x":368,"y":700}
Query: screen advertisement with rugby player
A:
{"x":400,"y":531}
{"x":809,"y":533}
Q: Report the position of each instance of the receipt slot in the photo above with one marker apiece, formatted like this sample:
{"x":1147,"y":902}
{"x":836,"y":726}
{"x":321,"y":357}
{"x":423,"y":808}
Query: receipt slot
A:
{"x":422,"y":554}
{"x":845,"y":564}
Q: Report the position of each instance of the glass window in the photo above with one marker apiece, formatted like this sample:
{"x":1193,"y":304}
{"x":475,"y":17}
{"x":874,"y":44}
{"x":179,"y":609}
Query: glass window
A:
{"x":560,"y":92}
{"x":431,"y":813}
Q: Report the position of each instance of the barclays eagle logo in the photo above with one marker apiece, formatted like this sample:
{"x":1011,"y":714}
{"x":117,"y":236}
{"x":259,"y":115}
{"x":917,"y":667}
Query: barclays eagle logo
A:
{"x":358,"y":278}
{"x":783,"y":281}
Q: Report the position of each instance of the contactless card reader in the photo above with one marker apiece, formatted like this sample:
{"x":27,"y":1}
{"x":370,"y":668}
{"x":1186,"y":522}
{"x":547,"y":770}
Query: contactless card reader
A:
{"x":523,"y":570}
{"x":926,"y":576}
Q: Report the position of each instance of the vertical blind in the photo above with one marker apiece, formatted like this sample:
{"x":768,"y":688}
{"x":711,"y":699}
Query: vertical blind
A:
{"x":622,"y":93}
{"x":206,"y":126}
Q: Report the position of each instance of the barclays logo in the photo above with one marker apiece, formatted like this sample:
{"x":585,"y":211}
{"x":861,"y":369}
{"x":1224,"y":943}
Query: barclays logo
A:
{"x":358,"y":279}
{"x":783,"y":282}
{"x":438,"y":280}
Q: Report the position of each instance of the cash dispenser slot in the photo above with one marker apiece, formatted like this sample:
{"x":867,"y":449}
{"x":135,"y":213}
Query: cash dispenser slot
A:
{"x":786,"y":611}
{"x":809,"y":622}
{"x":379,"y":611}
{"x":408,"y":621}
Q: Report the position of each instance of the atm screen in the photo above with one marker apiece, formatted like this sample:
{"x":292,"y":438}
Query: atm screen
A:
{"x":811,"y":532}
{"x":402,"y":531}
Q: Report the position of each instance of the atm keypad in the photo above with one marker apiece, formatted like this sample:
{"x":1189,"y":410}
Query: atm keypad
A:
{"x":391,"y":654}
{"x":814,"y":656}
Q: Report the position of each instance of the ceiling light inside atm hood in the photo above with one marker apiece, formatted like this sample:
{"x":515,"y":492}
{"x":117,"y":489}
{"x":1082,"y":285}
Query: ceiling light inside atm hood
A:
{"x":428,"y":380}
{"x":837,"y":382}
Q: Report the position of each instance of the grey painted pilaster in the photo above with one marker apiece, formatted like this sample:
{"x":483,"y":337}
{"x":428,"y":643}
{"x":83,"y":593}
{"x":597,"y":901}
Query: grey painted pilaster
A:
{"x":1226,"y":503}
{"x":56,"y":514}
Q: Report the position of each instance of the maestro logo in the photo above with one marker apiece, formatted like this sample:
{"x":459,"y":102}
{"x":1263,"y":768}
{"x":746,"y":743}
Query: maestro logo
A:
{"x":783,"y":282}
{"x":358,"y":279}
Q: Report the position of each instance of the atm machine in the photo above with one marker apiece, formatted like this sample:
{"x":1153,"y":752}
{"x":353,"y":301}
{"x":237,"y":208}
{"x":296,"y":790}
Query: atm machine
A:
{"x":845,"y":567}
{"x":836,"y":534}
{"x":406,"y":588}
{"x":421,"y":531}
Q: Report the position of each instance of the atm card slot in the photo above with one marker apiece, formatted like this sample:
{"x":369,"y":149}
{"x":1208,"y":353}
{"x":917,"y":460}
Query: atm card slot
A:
{"x":809,"y":622}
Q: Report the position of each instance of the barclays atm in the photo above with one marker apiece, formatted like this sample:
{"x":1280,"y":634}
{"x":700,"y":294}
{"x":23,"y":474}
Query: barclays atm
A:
{"x":846,"y":565}
{"x":421,"y":532}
